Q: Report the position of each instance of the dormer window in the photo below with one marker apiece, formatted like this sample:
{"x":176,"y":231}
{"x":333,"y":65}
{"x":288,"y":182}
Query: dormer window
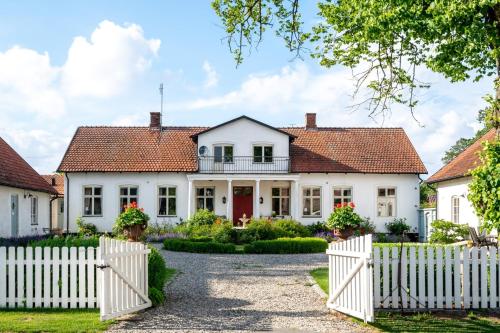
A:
{"x":223,"y":153}
{"x":262,"y":154}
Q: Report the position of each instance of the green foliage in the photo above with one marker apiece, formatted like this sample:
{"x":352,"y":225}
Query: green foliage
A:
{"x":291,"y":228}
{"x":384,"y":42}
{"x":426,"y":192}
{"x":223,"y":232}
{"x":157,"y":269}
{"x":287,"y":245}
{"x":68,"y":241}
{"x":201,"y":239}
{"x":484,"y":189}
{"x":132,"y":215}
{"x":85,"y":229}
{"x":398,"y":226}
{"x":260,"y":230}
{"x":317,"y":227}
{"x":447,"y":232}
{"x":198,"y":247}
{"x":365,"y":227}
{"x":202,"y":217}
{"x":344,"y":217}
{"x":156,"y":296}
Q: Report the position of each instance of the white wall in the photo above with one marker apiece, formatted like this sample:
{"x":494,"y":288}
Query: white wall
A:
{"x":57,"y":215}
{"x":456,"y":187}
{"x":364,"y":194}
{"x":243,"y":134}
{"x":25,"y":227}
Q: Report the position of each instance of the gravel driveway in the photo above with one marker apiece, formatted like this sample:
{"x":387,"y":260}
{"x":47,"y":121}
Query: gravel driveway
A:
{"x":241,"y":293}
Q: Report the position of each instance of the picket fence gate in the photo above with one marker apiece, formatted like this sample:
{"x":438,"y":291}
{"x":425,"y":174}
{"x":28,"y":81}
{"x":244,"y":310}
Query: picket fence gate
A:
{"x":112,"y":277}
{"x":363,"y":278}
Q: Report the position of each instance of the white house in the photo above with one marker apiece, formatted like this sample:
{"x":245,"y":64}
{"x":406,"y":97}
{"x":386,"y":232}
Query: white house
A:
{"x":57,"y":204}
{"x":242,"y":166}
{"x":24,"y":196}
{"x":452,"y":181}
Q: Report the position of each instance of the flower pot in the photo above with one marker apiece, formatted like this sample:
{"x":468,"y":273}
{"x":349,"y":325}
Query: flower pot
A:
{"x":344,"y":233}
{"x":134,"y":232}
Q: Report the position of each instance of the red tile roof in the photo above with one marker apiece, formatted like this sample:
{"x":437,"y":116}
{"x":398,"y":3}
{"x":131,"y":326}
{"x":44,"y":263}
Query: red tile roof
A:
{"x":354,"y":150}
{"x":139,"y":149}
{"x":57,"y":180}
{"x":16,"y":172}
{"x":465,"y":161}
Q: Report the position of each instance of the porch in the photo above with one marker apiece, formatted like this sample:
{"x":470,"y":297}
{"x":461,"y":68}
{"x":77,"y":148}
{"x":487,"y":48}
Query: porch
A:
{"x":251,"y":195}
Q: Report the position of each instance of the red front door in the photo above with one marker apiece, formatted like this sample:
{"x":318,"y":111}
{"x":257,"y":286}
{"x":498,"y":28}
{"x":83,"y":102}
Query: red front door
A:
{"x":242,"y":202}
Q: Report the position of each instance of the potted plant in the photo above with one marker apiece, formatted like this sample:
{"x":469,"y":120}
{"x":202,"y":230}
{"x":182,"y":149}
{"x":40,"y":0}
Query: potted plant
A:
{"x":344,"y":221}
{"x":132,"y":222}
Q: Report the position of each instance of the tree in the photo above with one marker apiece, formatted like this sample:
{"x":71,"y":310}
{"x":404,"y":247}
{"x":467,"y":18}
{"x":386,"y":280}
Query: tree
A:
{"x":384,"y":42}
{"x":427,"y":195}
{"x":484,"y":189}
{"x":464,"y":143}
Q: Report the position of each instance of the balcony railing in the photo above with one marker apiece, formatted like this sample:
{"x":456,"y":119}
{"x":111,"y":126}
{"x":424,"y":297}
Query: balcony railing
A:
{"x":243,"y":164}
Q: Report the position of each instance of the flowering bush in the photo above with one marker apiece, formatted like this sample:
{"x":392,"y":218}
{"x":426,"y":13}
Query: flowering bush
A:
{"x":132,"y":215}
{"x":344,"y":217}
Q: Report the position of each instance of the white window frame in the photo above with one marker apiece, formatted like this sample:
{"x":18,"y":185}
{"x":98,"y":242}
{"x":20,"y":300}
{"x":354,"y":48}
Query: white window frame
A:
{"x":223,"y":156}
{"x":128,"y":196}
{"x":312,"y":197}
{"x":204,"y":196}
{"x":167,"y":196}
{"x":34,"y":210}
{"x":262,"y":156}
{"x":342,"y":197}
{"x":386,"y":199}
{"x":92,"y":198}
{"x":280,"y":197}
{"x":455,"y":209}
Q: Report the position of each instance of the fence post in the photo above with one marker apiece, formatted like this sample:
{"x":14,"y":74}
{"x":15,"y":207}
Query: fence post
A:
{"x":105,"y":292}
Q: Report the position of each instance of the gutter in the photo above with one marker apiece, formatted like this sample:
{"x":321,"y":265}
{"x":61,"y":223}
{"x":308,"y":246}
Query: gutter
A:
{"x":66,"y":196}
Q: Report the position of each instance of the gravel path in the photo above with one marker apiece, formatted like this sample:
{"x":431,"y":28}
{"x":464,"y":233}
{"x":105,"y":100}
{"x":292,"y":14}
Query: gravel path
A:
{"x":241,"y":293}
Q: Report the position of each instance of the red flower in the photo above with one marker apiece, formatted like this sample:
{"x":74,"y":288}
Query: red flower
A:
{"x":351,"y":204}
{"x":338,"y":205}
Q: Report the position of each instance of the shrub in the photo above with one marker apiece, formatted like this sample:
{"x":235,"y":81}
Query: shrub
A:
{"x":155,"y":238}
{"x":291,"y":228}
{"x":287,"y":245}
{"x":398,"y":226}
{"x":366,"y":227}
{"x":156,"y":296}
{"x":157,"y":269}
{"x":201,"y":239}
{"x":67,"y":241}
{"x":131,"y":216}
{"x":156,"y":231}
{"x":318,"y":227}
{"x":224,"y":233}
{"x":22,"y":241}
{"x":447,"y":232}
{"x":202,"y":217}
{"x":259,"y":230}
{"x":344,"y":217}
{"x":85,"y":229}
{"x":198,"y":247}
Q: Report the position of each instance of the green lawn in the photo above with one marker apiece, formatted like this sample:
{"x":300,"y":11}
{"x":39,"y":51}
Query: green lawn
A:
{"x":51,"y":320}
{"x":423,"y":322}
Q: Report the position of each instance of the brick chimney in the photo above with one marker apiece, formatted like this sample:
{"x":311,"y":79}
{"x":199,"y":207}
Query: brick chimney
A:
{"x":311,"y":121}
{"x":155,"y":121}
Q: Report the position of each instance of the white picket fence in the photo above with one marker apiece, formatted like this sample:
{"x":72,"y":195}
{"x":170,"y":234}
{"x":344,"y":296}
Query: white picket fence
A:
{"x":112,"y":277}
{"x":48,"y":277}
{"x":436,"y":278}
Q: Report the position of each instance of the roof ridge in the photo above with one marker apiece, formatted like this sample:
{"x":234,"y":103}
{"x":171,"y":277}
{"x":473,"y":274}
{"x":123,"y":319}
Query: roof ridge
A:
{"x":338,"y":127}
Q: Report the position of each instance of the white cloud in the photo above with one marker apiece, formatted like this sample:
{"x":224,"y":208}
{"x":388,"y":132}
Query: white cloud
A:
{"x":211,"y":75}
{"x":107,"y":63}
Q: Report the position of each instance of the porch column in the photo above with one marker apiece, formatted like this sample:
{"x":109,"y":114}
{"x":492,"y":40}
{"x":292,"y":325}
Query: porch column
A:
{"x":190,"y":198}
{"x":295,"y":200}
{"x":256,"y":210}
{"x":229,"y":202}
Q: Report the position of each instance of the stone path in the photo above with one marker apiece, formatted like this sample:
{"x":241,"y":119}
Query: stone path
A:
{"x":241,"y":293}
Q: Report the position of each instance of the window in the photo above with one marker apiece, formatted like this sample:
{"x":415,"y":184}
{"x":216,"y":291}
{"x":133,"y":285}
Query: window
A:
{"x":34,"y":210}
{"x":92,"y":200}
{"x":341,"y":195}
{"x":455,"y":209}
{"x":311,"y":201}
{"x":205,"y":198}
{"x":223,"y":153}
{"x":262,"y":154}
{"x":167,"y":205}
{"x":61,"y":206}
{"x":280,"y":197}
{"x":386,"y":202}
{"x":128,"y":194}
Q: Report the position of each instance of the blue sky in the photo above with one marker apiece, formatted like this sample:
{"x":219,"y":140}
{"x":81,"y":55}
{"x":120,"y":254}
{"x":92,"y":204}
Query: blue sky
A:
{"x":66,"y":63}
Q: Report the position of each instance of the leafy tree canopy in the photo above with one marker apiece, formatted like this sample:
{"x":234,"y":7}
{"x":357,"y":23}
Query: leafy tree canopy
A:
{"x":384,"y":42}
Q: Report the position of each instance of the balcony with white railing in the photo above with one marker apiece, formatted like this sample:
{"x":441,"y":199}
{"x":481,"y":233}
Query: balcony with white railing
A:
{"x":243,"y":164}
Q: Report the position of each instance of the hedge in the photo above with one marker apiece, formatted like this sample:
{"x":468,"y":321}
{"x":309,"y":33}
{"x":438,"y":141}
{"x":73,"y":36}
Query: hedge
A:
{"x":287,"y":245}
{"x":68,"y":241}
{"x":185,"y":245}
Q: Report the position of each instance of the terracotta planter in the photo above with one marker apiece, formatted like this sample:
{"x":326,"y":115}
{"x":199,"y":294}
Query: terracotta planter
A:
{"x":135,"y":232}
{"x":343,"y":234}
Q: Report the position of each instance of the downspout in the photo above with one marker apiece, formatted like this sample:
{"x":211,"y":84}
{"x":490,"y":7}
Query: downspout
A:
{"x":52,"y":198}
{"x":66,"y":195}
